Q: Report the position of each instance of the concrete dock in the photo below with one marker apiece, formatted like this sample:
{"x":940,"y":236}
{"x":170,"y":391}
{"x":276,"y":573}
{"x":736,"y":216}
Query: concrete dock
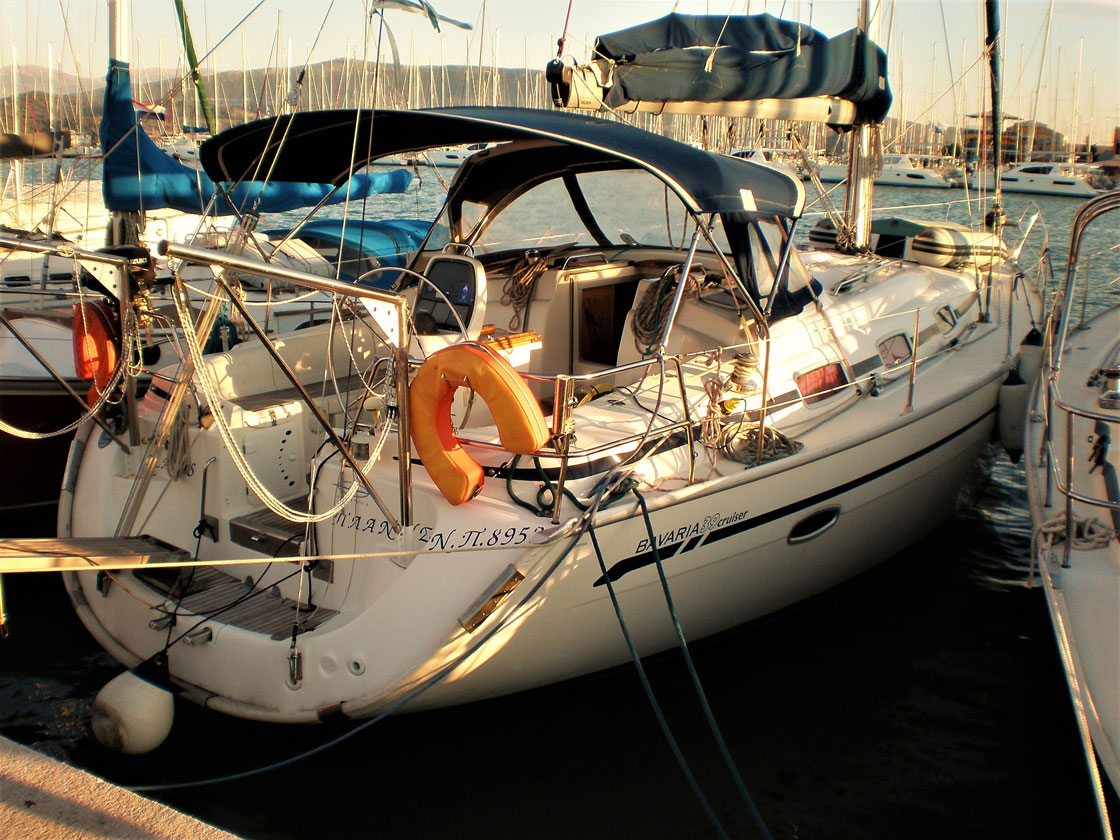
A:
{"x":43,"y":799}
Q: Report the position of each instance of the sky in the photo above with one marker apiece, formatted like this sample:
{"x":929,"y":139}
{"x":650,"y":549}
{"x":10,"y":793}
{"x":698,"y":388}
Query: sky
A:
{"x":1067,"y":77}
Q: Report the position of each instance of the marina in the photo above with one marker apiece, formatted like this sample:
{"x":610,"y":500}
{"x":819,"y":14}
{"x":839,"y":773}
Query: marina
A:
{"x":710,"y":502}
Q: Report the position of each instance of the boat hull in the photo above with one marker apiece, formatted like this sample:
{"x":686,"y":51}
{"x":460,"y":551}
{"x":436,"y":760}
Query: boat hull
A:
{"x":1082,"y":584}
{"x":34,"y":466}
{"x":1042,"y":184}
{"x":753,"y":543}
{"x":736,"y":555}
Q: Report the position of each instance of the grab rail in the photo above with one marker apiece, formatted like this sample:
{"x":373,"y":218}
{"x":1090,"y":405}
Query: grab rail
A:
{"x":1056,"y":336}
{"x":389,"y":311}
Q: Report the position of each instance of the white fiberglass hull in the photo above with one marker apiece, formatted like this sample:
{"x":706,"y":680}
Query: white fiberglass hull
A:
{"x":735,"y":555}
{"x":734,"y":549}
{"x":899,"y":176}
{"x":1013,"y":181}
{"x":1083,"y":585}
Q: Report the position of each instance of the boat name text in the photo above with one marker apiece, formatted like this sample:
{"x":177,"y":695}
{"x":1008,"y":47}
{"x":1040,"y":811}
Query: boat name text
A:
{"x":442,"y":540}
{"x":708,"y":523}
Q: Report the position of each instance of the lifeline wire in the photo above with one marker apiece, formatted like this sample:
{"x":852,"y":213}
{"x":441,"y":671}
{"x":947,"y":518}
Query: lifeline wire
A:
{"x":607,"y":489}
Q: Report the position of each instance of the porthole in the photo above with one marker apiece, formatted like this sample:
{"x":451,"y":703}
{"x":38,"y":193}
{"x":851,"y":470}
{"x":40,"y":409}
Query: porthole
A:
{"x":946,"y":319}
{"x":895,"y":349}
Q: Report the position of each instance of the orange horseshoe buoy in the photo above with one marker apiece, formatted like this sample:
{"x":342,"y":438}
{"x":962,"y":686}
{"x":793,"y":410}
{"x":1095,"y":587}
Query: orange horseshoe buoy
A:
{"x":521,"y":425}
{"x":96,"y":346}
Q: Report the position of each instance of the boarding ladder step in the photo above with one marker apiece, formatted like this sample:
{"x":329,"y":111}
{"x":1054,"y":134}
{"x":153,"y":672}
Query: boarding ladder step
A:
{"x":62,"y":554}
{"x":212,"y":592}
{"x":268,"y":532}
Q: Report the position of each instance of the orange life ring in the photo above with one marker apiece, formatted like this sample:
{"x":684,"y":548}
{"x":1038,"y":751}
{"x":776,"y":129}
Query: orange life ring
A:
{"x":521,"y":425}
{"x":96,"y":348}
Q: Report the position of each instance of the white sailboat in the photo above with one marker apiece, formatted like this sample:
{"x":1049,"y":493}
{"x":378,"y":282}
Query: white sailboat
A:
{"x":570,"y":405}
{"x":895,"y":171}
{"x":1075,"y":507}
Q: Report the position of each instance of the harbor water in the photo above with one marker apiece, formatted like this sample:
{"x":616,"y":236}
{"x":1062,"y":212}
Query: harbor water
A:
{"x":924,"y":699}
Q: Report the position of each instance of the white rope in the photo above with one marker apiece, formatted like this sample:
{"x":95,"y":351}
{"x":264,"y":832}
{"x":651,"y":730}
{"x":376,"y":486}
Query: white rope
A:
{"x":1088,"y":534}
{"x":214,"y":398}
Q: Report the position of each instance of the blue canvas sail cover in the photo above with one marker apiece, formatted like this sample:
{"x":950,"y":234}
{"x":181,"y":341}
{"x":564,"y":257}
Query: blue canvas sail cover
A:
{"x":138,"y":175}
{"x":751,"y":57}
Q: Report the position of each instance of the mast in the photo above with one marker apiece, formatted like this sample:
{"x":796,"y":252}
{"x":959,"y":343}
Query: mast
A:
{"x":124,"y":226}
{"x":244,"y":117}
{"x":17,"y":165}
{"x":192,"y":59}
{"x":1056,"y":69}
{"x":991,"y":42}
{"x":56,"y":144}
{"x":1077,"y":106}
{"x":481,"y":44}
{"x":857,"y":198}
{"x":1038,"y":84}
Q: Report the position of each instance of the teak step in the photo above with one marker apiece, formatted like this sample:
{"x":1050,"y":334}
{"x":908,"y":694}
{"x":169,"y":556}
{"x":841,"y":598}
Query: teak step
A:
{"x":84,"y":553}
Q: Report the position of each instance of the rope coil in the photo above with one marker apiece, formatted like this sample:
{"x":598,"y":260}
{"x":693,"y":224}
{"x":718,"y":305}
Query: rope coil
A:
{"x":741,"y":444}
{"x":518,"y":289}
{"x":1088,"y":534}
{"x":648,"y":322}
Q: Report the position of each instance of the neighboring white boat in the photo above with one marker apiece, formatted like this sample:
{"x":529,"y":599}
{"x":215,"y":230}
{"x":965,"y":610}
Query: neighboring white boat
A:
{"x":1035,"y":178}
{"x":779,"y":158}
{"x":897,"y":171}
{"x":46,"y":272}
{"x":1071,"y":471}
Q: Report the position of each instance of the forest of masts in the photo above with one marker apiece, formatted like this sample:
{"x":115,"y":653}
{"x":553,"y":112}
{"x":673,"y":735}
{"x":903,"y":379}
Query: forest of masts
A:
{"x":237,"y":97}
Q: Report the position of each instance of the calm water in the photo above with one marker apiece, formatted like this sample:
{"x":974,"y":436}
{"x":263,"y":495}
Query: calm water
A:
{"x":922,"y":700}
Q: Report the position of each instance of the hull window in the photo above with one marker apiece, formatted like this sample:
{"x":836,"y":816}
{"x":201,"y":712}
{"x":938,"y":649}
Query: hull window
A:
{"x":821,"y":383}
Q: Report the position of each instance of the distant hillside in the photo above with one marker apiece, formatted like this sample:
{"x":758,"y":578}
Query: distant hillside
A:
{"x":32,"y":79}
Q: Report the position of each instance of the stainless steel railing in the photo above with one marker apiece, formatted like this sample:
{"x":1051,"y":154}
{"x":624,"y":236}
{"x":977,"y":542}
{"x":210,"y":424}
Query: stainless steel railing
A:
{"x":1055,"y":408}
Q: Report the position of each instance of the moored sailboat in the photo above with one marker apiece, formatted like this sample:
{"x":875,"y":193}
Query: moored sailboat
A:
{"x":1075,"y":506}
{"x":47,"y":280}
{"x":721,"y":417}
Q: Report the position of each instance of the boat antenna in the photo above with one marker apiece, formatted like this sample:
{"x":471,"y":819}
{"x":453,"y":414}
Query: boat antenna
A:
{"x":995,"y":217}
